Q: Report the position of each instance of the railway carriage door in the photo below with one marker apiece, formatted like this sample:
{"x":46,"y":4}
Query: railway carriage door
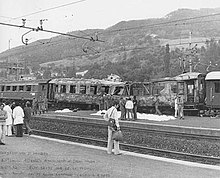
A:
{"x":43,"y":90}
{"x":190,"y":91}
{"x":51,"y":91}
{"x":216,"y":94}
{"x":201,"y":90}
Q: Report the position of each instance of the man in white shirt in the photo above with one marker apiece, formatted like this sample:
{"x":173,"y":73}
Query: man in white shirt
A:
{"x":129,"y":109}
{"x":9,"y":120}
{"x":112,"y":113}
{"x":18,"y":115}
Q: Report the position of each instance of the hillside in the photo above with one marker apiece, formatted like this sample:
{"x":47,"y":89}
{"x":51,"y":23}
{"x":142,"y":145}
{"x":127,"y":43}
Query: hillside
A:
{"x":123,"y":41}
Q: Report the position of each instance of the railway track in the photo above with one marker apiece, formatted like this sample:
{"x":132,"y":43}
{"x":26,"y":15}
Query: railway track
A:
{"x":133,"y":148}
{"x":146,"y":130}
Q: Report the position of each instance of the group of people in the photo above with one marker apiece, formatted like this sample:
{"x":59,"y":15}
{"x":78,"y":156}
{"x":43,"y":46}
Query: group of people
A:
{"x":12,"y":118}
{"x":128,"y":107}
{"x":39,"y":105}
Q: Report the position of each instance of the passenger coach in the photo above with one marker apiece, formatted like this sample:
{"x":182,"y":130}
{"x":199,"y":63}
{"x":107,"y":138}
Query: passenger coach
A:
{"x":23,"y":90}
{"x":213,"y":90}
{"x":83,"y":93}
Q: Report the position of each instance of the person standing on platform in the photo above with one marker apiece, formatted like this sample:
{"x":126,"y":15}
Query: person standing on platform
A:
{"x":9,"y":120}
{"x":44,"y":105}
{"x":3,"y":117}
{"x":180,"y":103}
{"x":129,"y":106}
{"x":135,"y":107}
{"x":122,"y":108}
{"x":157,"y":105}
{"x":34,"y":105}
{"x":18,"y":115}
{"x":112,"y":113}
{"x":40,"y":105}
{"x":12,"y":105}
{"x":176,"y":106}
{"x":27,"y":117}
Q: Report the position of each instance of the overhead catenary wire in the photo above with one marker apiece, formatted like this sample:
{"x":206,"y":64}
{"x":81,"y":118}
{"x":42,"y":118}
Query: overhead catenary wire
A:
{"x":52,"y":8}
{"x":50,"y":31}
{"x":163,"y":23}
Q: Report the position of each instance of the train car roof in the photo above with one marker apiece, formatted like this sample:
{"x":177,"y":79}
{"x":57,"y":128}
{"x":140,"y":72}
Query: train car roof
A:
{"x":24,"y":82}
{"x":85,"y":81}
{"x":215,"y":75}
{"x":188,"y":76}
{"x":164,"y":79}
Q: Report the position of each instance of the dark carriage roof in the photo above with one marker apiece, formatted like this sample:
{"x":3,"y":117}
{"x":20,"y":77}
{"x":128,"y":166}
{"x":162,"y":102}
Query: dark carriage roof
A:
{"x":25,"y":82}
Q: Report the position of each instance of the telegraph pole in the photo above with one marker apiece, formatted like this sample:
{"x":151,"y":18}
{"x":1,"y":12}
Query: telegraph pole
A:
{"x":190,"y":57}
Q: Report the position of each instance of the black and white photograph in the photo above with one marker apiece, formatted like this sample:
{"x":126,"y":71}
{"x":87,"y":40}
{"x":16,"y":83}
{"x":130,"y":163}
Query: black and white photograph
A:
{"x":109,"y":89}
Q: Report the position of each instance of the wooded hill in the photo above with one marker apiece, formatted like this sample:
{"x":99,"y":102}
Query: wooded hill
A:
{"x":135,"y":49}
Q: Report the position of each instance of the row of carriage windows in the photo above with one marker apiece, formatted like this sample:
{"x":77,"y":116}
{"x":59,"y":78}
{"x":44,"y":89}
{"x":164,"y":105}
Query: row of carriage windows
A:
{"x":21,"y":88}
{"x":88,"y":89}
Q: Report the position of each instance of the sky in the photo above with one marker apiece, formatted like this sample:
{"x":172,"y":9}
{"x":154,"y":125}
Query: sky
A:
{"x":81,"y":15}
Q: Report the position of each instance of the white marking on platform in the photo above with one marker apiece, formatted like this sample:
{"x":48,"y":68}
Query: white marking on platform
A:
{"x":186,"y":163}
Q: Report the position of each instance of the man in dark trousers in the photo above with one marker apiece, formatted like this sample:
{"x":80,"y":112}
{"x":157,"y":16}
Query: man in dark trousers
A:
{"x":122,"y":108}
{"x":27,"y":117}
{"x":135,"y":107}
{"x":157,"y":105}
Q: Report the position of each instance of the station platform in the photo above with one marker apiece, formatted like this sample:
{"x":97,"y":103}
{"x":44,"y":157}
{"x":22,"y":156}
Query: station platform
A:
{"x":40,"y":157}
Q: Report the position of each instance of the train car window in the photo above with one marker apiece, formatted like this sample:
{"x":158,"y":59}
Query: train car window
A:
{"x":72,"y":88}
{"x":217,"y":87}
{"x":190,"y":89}
{"x":104,"y":90}
{"x":63,"y":89}
{"x":34,"y":87}
{"x":93,"y":90}
{"x":28,"y":88}
{"x":56,"y":88}
{"x":118,"y":90}
{"x":21,"y":88}
{"x":82,"y":89}
{"x":3,"y":88}
{"x":14,"y":88}
{"x":8,"y":88}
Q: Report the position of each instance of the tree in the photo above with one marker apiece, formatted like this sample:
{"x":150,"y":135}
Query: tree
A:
{"x":47,"y":74}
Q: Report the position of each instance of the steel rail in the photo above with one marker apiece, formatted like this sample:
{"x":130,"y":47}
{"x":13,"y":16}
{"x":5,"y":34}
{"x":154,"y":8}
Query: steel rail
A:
{"x":146,"y":130}
{"x":136,"y":148}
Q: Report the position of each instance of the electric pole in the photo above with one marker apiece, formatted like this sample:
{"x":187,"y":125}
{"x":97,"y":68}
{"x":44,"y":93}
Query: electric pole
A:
{"x":190,"y":57}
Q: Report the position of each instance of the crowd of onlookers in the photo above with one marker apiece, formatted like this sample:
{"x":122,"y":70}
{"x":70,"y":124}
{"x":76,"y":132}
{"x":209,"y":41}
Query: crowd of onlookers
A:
{"x":127,"y":106}
{"x":13,"y":116}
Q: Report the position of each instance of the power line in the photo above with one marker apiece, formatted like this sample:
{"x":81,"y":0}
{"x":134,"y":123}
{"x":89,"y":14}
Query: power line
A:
{"x":50,"y":31}
{"x":163,"y":23}
{"x":52,"y":8}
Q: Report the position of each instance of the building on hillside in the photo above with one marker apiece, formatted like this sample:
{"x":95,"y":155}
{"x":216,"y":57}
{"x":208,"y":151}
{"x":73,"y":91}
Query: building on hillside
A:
{"x":81,"y":74}
{"x":114,"y":78}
